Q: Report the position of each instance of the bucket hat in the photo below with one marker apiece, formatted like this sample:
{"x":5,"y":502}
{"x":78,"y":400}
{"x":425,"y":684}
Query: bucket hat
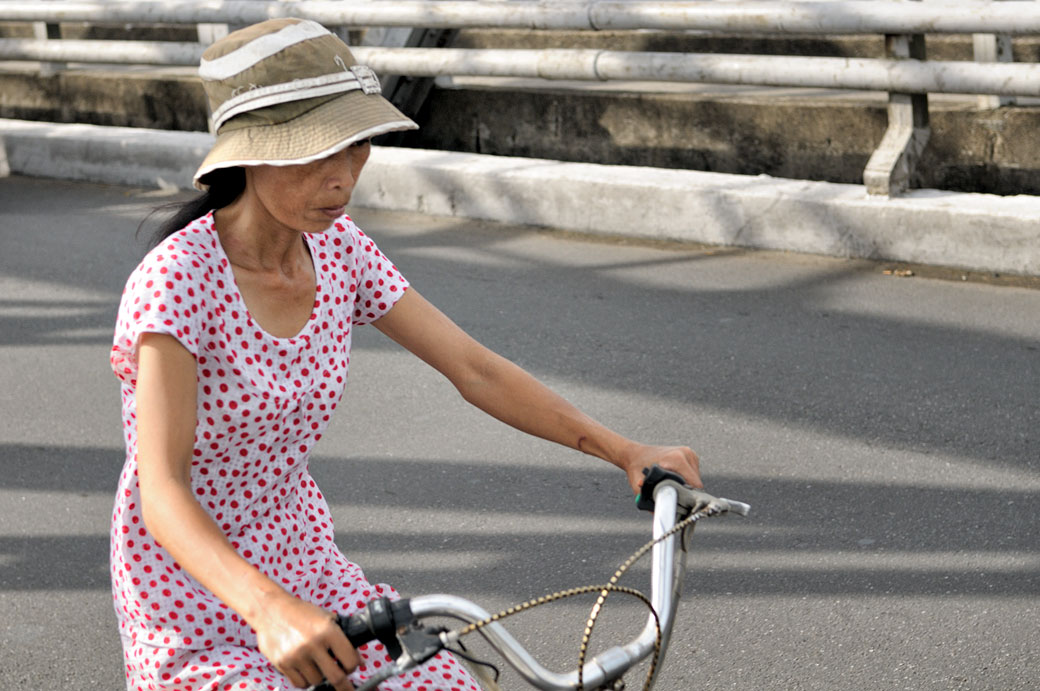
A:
{"x":287,"y":92}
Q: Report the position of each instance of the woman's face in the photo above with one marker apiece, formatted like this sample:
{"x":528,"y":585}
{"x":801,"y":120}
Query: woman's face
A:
{"x":307,"y":197}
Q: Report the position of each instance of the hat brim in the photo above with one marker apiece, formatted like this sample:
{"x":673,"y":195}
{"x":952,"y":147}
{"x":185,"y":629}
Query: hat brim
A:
{"x":314,"y":135}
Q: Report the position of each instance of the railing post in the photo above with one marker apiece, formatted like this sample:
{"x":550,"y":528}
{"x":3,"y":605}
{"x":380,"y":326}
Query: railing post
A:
{"x":407,"y":93}
{"x":210,"y":33}
{"x":46,"y":31}
{"x":993,"y":48}
{"x":891,"y":165}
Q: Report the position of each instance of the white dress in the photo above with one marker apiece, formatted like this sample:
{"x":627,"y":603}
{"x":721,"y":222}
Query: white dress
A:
{"x":263,"y":403}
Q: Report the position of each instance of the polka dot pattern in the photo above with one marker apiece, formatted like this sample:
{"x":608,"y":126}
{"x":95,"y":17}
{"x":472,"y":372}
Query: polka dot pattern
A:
{"x":232,"y":668}
{"x":263,"y":403}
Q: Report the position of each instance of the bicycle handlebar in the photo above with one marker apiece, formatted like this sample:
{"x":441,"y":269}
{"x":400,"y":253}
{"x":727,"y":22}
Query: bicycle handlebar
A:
{"x":689,"y":498}
{"x":379,"y":620}
{"x":662,"y":492}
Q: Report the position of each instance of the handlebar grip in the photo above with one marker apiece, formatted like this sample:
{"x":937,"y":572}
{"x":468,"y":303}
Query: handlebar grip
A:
{"x":379,"y":620}
{"x":356,"y":628}
{"x":654,"y":475}
{"x":692,"y":499}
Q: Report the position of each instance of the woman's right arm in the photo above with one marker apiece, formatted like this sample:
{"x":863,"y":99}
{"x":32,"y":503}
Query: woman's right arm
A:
{"x":297,"y":637}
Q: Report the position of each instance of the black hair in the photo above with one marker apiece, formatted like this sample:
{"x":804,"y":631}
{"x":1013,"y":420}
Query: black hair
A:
{"x":225,"y":186}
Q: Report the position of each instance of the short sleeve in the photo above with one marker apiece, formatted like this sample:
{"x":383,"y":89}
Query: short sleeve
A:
{"x":379,"y":284}
{"x":161,"y":296}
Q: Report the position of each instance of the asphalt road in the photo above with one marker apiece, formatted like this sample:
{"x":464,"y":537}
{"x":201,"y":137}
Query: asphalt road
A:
{"x":886,"y":431}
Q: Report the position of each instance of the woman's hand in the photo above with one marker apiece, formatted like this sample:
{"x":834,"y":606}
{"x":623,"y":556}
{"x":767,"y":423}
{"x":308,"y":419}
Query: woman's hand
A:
{"x":304,"y":643}
{"x":678,"y":459}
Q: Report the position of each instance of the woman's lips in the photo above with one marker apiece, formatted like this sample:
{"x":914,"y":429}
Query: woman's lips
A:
{"x":333,"y":211}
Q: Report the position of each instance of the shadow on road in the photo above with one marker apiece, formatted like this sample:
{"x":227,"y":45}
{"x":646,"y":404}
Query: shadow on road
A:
{"x":908,"y":527}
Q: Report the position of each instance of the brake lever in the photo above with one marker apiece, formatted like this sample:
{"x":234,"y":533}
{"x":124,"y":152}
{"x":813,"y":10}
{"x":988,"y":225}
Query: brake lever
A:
{"x":699,"y":500}
{"x":694,"y":500}
{"x":417,"y":646}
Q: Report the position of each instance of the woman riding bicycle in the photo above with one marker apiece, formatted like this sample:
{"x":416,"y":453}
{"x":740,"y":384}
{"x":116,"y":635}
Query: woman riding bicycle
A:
{"x":232,"y":345}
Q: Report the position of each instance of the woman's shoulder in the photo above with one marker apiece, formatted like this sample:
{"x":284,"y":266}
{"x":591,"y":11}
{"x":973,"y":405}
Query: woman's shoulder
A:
{"x":346,"y":241}
{"x":183,"y":262}
{"x":194,"y":246}
{"x":166,"y":293}
{"x":342,"y":231}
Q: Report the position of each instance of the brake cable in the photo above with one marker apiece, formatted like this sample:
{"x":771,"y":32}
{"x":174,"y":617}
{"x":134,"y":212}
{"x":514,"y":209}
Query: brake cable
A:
{"x":604,"y":591}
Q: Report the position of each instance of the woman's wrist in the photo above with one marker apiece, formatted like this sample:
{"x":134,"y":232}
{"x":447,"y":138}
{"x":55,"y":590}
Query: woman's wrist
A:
{"x":262,"y":603}
{"x":609,"y":446}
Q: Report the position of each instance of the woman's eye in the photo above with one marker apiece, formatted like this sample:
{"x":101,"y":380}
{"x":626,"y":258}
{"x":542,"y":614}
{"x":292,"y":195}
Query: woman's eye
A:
{"x":362,"y":142}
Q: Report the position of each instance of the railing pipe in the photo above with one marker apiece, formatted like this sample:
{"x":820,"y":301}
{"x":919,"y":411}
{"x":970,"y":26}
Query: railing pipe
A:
{"x":905,"y":76}
{"x":1018,"y":17}
{"x":115,"y":52}
{"x":848,"y":17}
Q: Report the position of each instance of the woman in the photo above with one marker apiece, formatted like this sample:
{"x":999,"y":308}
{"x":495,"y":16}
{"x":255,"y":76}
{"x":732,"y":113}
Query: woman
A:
{"x":232,"y":345}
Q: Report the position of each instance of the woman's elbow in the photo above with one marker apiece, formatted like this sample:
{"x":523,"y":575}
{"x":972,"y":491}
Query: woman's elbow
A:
{"x":159,"y":496}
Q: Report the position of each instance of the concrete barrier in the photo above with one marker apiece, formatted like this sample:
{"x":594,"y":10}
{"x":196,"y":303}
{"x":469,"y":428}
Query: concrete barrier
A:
{"x":5,"y":169}
{"x":971,"y":231}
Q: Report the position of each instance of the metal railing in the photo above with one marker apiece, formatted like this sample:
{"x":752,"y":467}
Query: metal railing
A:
{"x":904,"y":73}
{"x":1016,"y":17}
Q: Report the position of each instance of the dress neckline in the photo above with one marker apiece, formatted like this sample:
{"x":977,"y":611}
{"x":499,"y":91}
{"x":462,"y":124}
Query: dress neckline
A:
{"x":229,"y":276}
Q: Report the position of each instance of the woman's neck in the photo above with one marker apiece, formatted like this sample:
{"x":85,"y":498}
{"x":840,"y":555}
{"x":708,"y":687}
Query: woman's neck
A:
{"x":253,"y":240}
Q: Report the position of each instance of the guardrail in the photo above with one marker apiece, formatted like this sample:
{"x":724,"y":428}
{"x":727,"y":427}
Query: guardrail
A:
{"x":906,"y":76}
{"x":1017,"y":17}
{"x":904,"y":73}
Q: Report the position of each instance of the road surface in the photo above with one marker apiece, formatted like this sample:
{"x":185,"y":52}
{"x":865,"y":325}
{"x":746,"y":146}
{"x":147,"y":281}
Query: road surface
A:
{"x":885,"y":429}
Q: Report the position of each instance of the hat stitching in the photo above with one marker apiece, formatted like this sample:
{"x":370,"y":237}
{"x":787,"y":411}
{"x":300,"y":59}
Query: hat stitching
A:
{"x":357,"y":77}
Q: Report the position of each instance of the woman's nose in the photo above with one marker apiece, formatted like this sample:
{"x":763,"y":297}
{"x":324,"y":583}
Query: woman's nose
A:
{"x":342,"y":169}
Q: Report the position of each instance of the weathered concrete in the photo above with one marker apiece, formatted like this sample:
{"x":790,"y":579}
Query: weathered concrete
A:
{"x":114,"y":155}
{"x":169,"y":99}
{"x":662,"y":155}
{"x":794,"y":133}
{"x":980,"y":232}
{"x":927,"y":226}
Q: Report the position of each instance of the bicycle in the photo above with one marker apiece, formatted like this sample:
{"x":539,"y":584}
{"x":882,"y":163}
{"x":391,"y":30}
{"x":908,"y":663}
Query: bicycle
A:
{"x":398,"y":625}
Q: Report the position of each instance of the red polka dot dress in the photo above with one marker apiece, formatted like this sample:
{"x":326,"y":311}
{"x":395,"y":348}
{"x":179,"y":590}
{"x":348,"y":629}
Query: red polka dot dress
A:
{"x":263,"y":403}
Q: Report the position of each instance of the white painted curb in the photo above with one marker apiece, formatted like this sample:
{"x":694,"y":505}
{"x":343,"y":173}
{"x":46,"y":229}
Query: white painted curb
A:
{"x":973,"y":231}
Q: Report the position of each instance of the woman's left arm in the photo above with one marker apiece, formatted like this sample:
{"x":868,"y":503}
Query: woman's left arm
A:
{"x":507,"y":392}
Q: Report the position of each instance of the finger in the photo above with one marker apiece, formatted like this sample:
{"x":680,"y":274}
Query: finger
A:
{"x":333,"y":672}
{"x":684,"y":461}
{"x":294,"y":677}
{"x":693,"y":474}
{"x":310,"y":673}
{"x":339,"y":650}
{"x":343,"y":652}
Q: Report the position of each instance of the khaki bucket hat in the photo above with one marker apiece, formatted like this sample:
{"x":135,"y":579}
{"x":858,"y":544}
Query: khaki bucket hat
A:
{"x":287,"y":92}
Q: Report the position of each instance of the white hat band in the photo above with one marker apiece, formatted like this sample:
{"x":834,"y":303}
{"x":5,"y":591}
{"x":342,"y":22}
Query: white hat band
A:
{"x":255,"y":51}
{"x":354,"y":77}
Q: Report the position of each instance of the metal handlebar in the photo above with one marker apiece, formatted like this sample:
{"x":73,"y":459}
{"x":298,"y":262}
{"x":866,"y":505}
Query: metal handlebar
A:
{"x":671,"y":502}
